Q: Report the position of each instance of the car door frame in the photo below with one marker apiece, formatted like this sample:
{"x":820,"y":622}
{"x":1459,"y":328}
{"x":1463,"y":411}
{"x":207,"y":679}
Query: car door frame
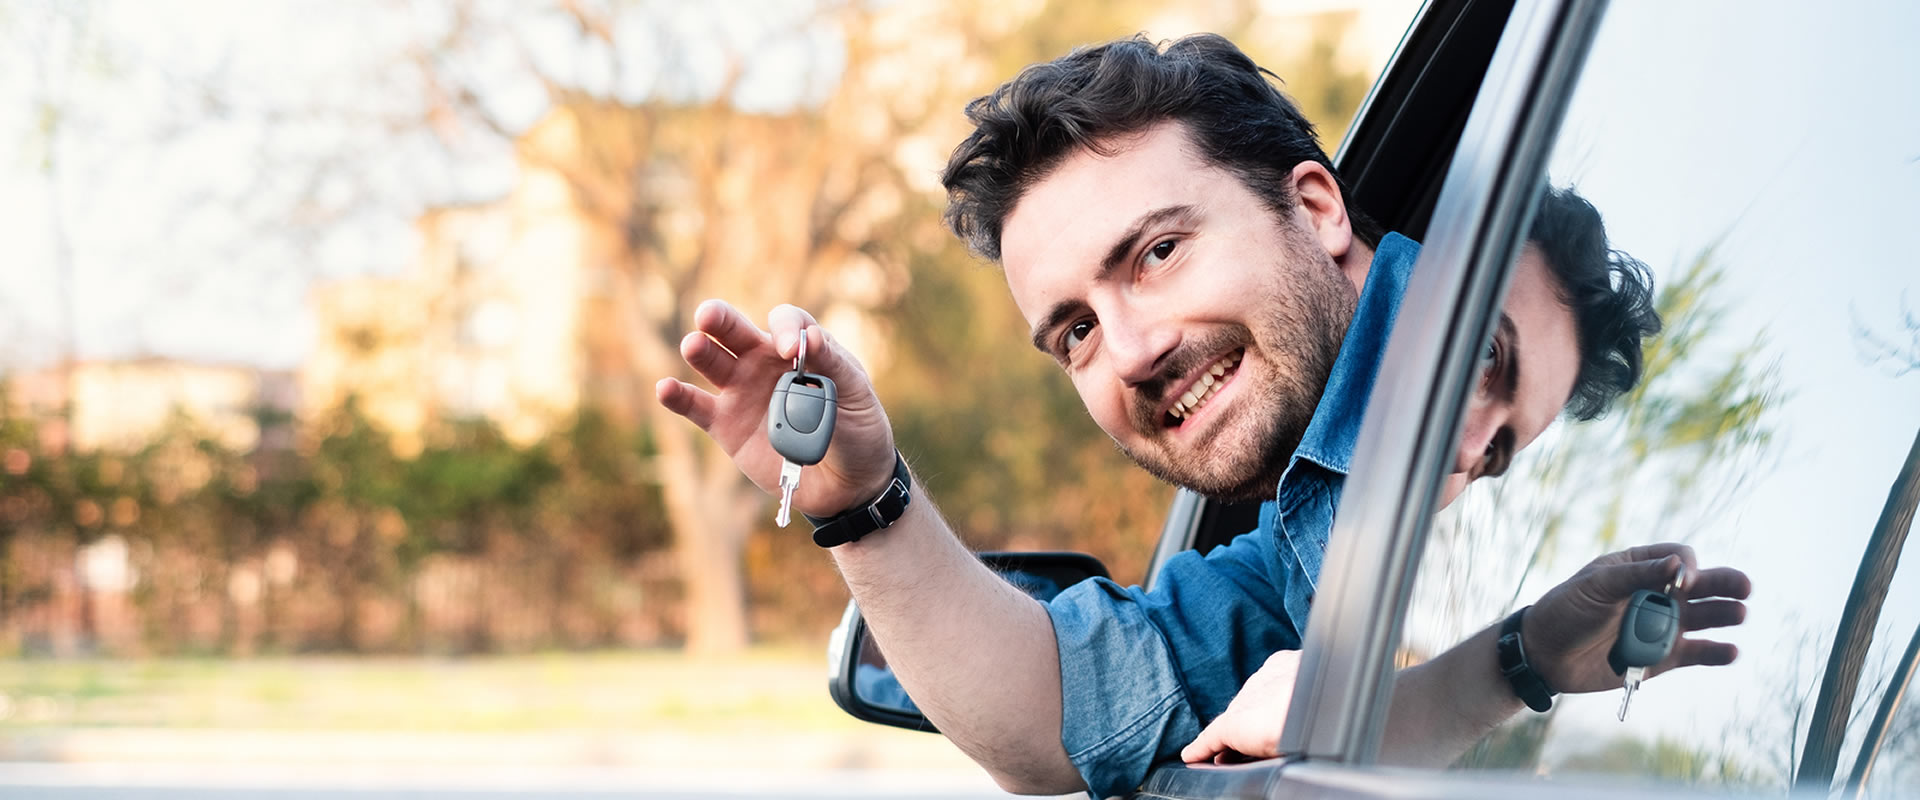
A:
{"x":1333,"y":728}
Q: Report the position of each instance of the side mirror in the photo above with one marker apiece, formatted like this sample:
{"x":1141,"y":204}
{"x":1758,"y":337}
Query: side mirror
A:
{"x":862,"y":683}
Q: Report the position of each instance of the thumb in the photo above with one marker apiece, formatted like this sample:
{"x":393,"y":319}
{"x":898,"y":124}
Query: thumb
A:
{"x":825,"y":355}
{"x":1202,"y":749}
{"x":785,"y":323}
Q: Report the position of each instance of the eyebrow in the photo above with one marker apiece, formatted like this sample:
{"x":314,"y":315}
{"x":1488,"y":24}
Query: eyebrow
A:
{"x":1116,"y":255}
{"x":1510,"y":381}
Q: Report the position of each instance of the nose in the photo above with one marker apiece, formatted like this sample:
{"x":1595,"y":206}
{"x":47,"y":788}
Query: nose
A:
{"x":1138,"y":346}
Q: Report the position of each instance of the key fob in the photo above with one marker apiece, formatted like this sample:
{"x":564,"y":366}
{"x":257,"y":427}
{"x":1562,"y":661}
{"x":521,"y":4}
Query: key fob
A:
{"x":1647,"y":631}
{"x":800,"y":416}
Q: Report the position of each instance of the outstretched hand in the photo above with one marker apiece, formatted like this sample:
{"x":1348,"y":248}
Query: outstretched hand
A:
{"x":1569,"y":631}
{"x":743,"y":363}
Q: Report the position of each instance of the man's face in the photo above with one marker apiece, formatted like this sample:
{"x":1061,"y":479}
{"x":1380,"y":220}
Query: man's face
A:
{"x":1198,"y":326}
{"x":1526,"y":376}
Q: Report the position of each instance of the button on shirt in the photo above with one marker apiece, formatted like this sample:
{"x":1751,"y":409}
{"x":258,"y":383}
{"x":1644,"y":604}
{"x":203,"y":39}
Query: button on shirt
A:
{"x":1142,"y":672}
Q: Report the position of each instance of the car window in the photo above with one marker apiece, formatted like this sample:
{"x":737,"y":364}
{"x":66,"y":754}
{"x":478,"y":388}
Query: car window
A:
{"x":1764,"y":167}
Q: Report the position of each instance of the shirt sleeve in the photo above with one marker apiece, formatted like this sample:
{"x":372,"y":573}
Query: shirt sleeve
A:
{"x":1142,"y":672}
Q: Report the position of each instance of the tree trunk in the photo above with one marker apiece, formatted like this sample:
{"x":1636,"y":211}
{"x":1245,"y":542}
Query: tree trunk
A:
{"x":710,"y":506}
{"x":1850,"y":643}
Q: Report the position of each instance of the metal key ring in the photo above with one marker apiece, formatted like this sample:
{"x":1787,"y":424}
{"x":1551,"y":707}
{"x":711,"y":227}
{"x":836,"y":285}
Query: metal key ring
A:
{"x":800,"y":358}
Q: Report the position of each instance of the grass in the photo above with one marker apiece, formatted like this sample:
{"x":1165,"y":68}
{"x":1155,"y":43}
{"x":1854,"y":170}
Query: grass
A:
{"x":774,"y":689}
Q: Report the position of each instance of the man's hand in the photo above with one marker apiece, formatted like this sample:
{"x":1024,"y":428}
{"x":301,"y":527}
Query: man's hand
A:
{"x":743,"y":363}
{"x":1569,"y":631}
{"x":1250,"y":727}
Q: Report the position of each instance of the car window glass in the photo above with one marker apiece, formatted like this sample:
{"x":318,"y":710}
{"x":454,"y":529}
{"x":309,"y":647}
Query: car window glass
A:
{"x":1765,"y":167}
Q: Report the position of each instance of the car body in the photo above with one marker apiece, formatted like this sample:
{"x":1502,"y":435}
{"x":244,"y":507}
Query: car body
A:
{"x":1483,"y":99}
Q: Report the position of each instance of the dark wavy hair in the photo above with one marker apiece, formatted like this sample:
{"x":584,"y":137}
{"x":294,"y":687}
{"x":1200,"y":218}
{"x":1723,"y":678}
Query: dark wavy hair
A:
{"x":1609,"y":292}
{"x":1235,"y":117}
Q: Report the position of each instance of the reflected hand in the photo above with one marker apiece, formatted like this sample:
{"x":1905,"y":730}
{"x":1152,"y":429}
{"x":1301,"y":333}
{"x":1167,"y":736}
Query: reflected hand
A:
{"x":1250,"y":727}
{"x":1569,"y":631}
{"x":743,"y":363}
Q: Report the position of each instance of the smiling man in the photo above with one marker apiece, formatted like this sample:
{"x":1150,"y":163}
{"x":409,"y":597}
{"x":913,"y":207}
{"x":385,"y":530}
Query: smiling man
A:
{"x":1179,"y":243}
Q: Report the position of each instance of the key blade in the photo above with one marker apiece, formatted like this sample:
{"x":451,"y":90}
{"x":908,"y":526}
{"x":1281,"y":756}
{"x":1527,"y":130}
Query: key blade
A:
{"x":1632,"y":684}
{"x":785,"y":514}
{"x":789,"y":481}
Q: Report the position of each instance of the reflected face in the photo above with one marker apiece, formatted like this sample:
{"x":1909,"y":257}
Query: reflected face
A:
{"x":1526,"y":375}
{"x":1198,"y":326}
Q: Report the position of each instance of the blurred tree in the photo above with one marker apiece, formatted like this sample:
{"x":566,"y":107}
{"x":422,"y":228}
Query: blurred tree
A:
{"x":1668,"y":760}
{"x":697,"y":189}
{"x":766,"y":154}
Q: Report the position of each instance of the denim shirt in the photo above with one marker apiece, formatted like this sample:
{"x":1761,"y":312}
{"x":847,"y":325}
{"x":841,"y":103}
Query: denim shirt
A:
{"x":1142,"y":672}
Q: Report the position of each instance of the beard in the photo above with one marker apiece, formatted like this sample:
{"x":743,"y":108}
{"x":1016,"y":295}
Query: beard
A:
{"x":1288,"y":354}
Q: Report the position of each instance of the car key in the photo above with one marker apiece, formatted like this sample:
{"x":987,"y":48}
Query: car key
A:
{"x":800,"y":421}
{"x":1648,"y":630}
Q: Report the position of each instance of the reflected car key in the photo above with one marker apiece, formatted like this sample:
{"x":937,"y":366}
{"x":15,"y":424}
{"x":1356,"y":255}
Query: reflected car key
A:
{"x":1648,"y":630}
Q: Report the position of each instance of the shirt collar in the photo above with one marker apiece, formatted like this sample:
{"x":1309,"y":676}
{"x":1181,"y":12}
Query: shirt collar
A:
{"x":1330,"y":437}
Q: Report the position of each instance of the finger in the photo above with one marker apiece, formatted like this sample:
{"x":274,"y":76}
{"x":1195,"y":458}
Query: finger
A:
{"x":730,"y":328}
{"x":1202,"y":749}
{"x":708,"y":358}
{"x":1617,"y":582}
{"x":1703,"y":614}
{"x":1718,"y":582}
{"x":686,"y":400}
{"x":785,"y":323}
{"x":1658,"y":550}
{"x":1701,"y":652}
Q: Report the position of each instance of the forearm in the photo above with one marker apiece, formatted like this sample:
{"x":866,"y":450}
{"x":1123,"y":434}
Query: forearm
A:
{"x":977,"y":655}
{"x":1442,"y":707}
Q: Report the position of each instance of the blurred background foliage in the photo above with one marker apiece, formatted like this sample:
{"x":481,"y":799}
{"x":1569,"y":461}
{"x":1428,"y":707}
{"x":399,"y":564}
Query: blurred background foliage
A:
{"x":377,"y":514}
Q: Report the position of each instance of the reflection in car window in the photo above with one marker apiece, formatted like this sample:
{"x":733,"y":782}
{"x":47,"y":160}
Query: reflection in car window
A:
{"x":1766,"y":167}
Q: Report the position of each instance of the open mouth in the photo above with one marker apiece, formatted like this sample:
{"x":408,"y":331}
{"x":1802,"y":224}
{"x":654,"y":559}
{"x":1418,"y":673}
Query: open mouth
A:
{"x":1202,"y":391}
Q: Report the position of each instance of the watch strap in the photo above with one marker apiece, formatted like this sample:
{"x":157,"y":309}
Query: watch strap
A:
{"x":881,"y":513}
{"x":1528,"y":684}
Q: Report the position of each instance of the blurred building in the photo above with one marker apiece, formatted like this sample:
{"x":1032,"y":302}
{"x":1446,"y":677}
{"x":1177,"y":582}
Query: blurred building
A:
{"x":485,"y":324}
{"x":125,"y":404}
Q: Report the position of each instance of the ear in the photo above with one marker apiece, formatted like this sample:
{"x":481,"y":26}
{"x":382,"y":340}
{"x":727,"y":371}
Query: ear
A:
{"x":1317,"y":196}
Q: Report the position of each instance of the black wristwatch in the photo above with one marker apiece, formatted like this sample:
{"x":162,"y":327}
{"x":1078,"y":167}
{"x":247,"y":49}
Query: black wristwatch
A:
{"x":850,"y":525}
{"x":1527,"y":684}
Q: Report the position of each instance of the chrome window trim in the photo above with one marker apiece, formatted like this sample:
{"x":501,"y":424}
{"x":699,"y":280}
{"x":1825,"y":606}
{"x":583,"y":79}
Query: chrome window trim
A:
{"x":1339,"y":705}
{"x":1325,"y":781}
{"x":1280,"y":780}
{"x":1177,"y":533}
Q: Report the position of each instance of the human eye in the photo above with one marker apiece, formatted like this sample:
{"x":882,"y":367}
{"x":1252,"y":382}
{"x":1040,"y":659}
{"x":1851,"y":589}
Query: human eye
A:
{"x":1076,"y":333}
{"x":1489,"y":362}
{"x":1160,"y":252}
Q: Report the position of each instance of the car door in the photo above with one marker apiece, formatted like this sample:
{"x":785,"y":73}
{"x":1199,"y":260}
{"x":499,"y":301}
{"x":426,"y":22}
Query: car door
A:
{"x":1761,"y":163}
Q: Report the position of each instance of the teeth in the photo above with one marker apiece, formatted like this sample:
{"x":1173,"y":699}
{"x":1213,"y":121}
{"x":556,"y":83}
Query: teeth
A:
{"x":1207,"y":387}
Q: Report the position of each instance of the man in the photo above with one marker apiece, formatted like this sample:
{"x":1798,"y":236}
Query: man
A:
{"x":1179,"y":243}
